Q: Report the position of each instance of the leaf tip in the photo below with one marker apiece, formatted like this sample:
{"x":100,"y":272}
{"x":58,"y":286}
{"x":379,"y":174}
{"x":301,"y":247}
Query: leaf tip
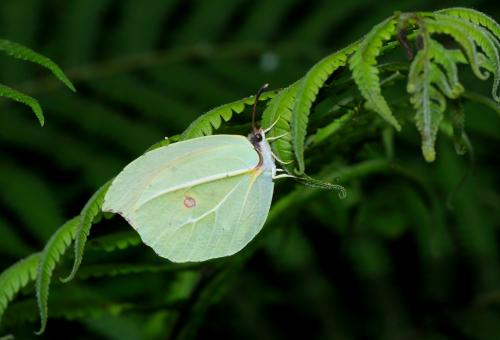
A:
{"x":393,"y":121}
{"x":70,"y":85}
{"x":429,"y":153}
{"x":68,"y":278}
{"x":42,"y":327}
{"x":38,"y":111}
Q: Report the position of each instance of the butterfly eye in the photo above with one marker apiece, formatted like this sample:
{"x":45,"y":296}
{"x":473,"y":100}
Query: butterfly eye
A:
{"x":255,"y":137}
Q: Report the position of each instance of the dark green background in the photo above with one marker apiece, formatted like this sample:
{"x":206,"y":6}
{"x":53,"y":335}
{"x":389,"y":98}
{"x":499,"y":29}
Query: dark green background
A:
{"x":392,"y":261}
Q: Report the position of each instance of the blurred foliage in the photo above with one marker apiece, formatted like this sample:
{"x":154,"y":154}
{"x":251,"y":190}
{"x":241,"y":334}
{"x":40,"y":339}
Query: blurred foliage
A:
{"x":409,"y":253}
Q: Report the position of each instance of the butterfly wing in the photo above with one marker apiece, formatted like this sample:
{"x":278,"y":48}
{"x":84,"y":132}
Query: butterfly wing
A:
{"x":228,"y":213}
{"x":194,"y":200}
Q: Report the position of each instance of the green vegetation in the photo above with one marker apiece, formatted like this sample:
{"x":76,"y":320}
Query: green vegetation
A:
{"x":405,"y":117}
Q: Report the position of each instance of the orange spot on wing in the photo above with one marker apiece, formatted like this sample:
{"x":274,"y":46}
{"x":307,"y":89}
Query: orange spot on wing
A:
{"x":189,"y":202}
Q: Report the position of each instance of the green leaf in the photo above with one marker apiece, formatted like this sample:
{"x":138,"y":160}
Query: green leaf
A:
{"x":279,"y":113}
{"x":484,"y":100}
{"x":365,"y":73}
{"x":447,"y":60}
{"x":91,"y":209}
{"x":319,"y":184}
{"x":21,"y":52}
{"x":20,"y":97}
{"x":206,"y":123}
{"x":485,"y":41}
{"x":426,"y":99}
{"x":115,"y":269}
{"x":457,"y":118}
{"x":52,"y":252}
{"x":307,"y":90}
{"x":16,"y":277}
{"x":336,"y":125}
{"x":112,"y":242}
{"x":433,"y":73}
{"x":462,"y":37}
{"x":475,"y":17}
{"x":67,"y":307}
{"x":164,"y":142}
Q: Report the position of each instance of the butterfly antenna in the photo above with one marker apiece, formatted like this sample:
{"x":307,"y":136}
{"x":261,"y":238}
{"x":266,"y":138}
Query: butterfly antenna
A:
{"x":262,"y":89}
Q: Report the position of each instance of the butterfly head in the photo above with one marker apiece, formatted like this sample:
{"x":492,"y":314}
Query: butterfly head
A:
{"x":256,"y":136}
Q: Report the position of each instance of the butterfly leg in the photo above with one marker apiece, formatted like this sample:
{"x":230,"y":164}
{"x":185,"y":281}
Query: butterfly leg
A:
{"x":284,"y":176}
{"x":272,"y":125}
{"x":272,"y":139}
{"x":279,"y":160}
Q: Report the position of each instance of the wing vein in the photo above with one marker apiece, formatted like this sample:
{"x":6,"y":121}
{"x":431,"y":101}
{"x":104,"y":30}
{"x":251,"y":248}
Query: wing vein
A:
{"x":250,"y":186}
{"x":196,"y":220}
{"x":133,"y":204}
{"x":194,"y":183}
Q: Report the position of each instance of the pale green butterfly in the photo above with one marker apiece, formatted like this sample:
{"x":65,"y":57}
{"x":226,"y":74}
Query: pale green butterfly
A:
{"x":198,"y":199}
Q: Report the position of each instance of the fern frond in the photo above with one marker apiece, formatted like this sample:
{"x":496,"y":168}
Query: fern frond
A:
{"x":112,"y":242}
{"x":280,"y":109}
{"x":319,"y":184}
{"x":475,"y":17}
{"x":52,"y":252}
{"x":447,"y":59}
{"x":166,"y":141}
{"x":212,"y":120}
{"x":20,"y":97}
{"x":484,"y":62}
{"x":115,"y":269}
{"x":95,"y":308}
{"x":426,"y":98}
{"x":365,"y":73}
{"x":24,"y":53}
{"x":70,"y":308}
{"x":333,"y":127}
{"x":209,"y":293}
{"x":485,"y":41}
{"x":307,"y":90}
{"x":91,"y":209}
{"x":462,"y":37}
{"x":483,"y":100}
{"x":183,"y":285}
{"x":14,"y":278}
{"x":457,"y":118}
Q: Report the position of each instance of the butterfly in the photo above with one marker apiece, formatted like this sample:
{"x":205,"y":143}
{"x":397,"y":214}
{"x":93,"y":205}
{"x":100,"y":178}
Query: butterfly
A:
{"x":198,"y":199}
